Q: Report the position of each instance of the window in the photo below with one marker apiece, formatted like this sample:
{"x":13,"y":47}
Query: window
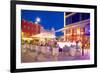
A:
{"x":24,"y":26}
{"x":28,"y":28}
{"x":77,"y":17}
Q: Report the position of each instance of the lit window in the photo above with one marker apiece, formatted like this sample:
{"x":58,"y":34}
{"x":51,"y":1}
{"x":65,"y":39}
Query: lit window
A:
{"x":28,"y":28}
{"x":24,"y":27}
{"x":78,"y":31}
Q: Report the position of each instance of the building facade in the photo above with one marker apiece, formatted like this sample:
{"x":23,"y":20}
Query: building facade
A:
{"x":29,"y":28}
{"x":77,"y":27}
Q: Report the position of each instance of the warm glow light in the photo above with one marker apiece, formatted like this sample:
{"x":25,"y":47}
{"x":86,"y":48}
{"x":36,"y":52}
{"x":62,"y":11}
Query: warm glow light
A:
{"x":78,"y":30}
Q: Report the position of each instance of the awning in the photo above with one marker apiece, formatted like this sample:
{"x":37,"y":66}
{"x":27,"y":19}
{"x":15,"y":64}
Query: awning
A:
{"x":26,"y":38}
{"x":44,"y":35}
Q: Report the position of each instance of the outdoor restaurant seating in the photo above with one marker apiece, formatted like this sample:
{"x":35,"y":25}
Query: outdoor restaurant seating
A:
{"x":57,"y":50}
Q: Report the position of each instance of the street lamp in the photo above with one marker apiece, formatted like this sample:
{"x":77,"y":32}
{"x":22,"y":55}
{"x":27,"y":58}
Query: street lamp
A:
{"x":37,"y":20}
